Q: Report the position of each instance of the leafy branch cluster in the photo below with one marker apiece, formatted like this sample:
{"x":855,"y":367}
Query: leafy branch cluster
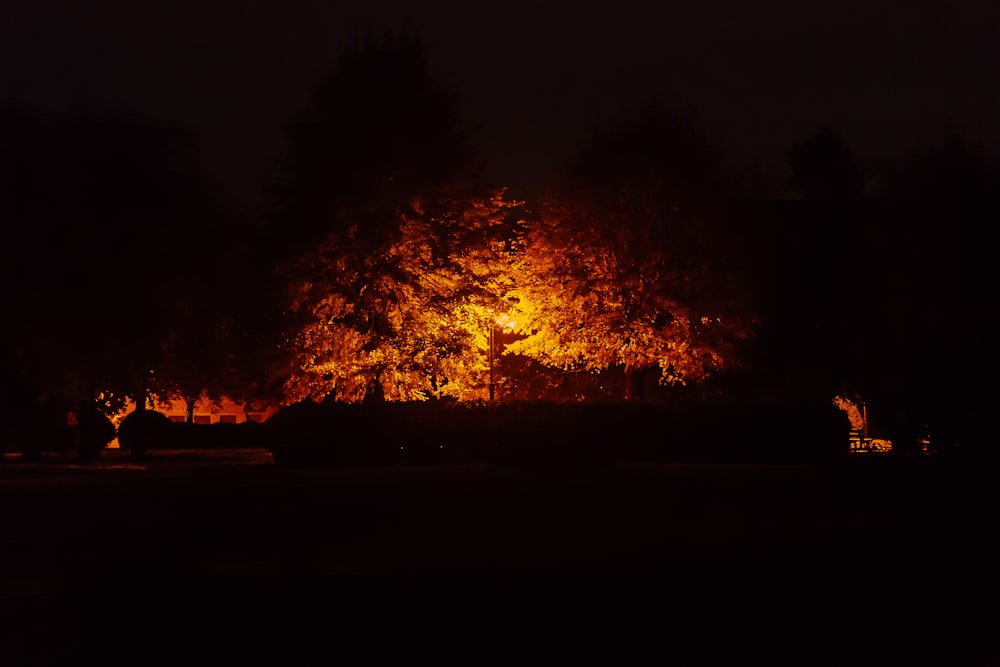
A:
{"x":420,"y":259}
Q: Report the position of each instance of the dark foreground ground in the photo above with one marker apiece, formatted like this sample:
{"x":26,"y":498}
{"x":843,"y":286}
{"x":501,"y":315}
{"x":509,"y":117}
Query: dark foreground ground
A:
{"x":202,"y":559}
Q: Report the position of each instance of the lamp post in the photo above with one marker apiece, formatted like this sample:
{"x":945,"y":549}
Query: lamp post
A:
{"x":494,"y":321}
{"x":491,"y":341}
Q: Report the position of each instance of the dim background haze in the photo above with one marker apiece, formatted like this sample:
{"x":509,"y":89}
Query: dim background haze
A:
{"x":533,"y":77}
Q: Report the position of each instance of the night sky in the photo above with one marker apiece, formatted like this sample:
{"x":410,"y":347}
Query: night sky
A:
{"x":533,"y":76}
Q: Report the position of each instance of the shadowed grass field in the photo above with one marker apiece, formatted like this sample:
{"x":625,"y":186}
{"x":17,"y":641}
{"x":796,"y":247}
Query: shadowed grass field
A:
{"x":224,"y":556}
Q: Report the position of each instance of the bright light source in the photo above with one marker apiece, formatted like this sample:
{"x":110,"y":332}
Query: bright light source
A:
{"x":506,"y":322}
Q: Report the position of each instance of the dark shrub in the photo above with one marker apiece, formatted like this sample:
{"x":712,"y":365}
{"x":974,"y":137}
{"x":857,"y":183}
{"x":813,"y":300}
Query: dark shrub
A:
{"x":143,"y":430}
{"x":546,"y":435}
{"x":380,"y":433}
{"x":307,"y":433}
{"x":94,"y":431}
{"x":53,"y":430}
{"x":735,"y":432}
{"x":247,"y":435}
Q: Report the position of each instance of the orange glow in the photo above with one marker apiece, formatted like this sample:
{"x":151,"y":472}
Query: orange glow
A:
{"x":407,"y":321}
{"x":417,"y":317}
{"x":506,"y":322}
{"x":860,"y":441}
{"x":206,"y":411}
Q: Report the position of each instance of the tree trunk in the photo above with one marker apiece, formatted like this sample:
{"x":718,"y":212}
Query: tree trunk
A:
{"x":88,"y":440}
{"x":31,"y":436}
{"x":375,"y":395}
{"x":189,"y":409}
{"x":635,"y":383}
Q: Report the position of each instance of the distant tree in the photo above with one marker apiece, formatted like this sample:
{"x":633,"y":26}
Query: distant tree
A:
{"x":390,"y":237}
{"x":94,"y":431}
{"x":380,"y":130}
{"x":953,"y":171}
{"x":218,"y":332}
{"x":625,"y":265}
{"x":937,"y":356}
{"x":20,"y":128}
{"x":103,"y":210}
{"x":824,"y":169}
{"x":143,"y":430}
{"x":827,"y":265}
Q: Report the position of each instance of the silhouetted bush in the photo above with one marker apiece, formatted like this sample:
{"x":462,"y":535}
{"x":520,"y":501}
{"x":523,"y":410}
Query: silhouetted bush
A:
{"x":143,"y":430}
{"x":54,"y":433}
{"x":539,"y":435}
{"x":308,"y":432}
{"x":247,"y":435}
{"x":748,"y":433}
{"x":94,"y":432}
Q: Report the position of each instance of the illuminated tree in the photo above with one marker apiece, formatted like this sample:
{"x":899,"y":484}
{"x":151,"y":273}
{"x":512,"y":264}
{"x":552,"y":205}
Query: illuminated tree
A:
{"x":391,"y":240}
{"x":409,"y":319}
{"x":623,"y":266}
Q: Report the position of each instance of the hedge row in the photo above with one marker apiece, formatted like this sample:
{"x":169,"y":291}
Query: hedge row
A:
{"x":543,"y":434}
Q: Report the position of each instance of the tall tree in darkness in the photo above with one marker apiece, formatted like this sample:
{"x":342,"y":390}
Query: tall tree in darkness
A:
{"x":824,"y":169}
{"x":824,"y":261}
{"x":627,"y":267}
{"x":391,"y":239}
{"x":106,"y":210}
{"x":379,"y":131}
{"x":945,"y":199}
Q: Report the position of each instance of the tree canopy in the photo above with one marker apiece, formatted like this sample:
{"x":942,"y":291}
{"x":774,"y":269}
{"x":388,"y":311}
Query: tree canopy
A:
{"x":379,"y":131}
{"x":407,"y":319}
{"x":824,"y":169}
{"x":402,"y":241}
{"x":115,"y":263}
{"x":624,"y":266}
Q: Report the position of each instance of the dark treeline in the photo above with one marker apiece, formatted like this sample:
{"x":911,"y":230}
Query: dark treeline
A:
{"x":124,"y":279}
{"x":520,"y":435}
{"x":121,"y":278}
{"x":880,"y":278}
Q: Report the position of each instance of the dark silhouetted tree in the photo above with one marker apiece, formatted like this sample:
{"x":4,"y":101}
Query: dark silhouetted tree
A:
{"x":824,"y":169}
{"x":390,"y":239}
{"x":105,"y":213}
{"x":626,"y":265}
{"x":938,"y":349}
{"x":829,"y":246}
{"x":380,"y":130}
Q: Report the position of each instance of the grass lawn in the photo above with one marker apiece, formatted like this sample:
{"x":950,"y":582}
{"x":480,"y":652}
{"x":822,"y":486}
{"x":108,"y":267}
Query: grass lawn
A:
{"x":226,"y":557}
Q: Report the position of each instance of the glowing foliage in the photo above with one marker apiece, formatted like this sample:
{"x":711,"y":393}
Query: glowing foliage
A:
{"x":594,"y":292}
{"x":851,"y":409}
{"x":402,"y":299}
{"x":860,"y":443}
{"x":628,"y":265}
{"x":408,"y":315}
{"x":400,"y":312}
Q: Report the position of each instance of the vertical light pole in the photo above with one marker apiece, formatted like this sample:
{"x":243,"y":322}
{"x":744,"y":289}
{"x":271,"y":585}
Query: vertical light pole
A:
{"x":492,"y":329}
